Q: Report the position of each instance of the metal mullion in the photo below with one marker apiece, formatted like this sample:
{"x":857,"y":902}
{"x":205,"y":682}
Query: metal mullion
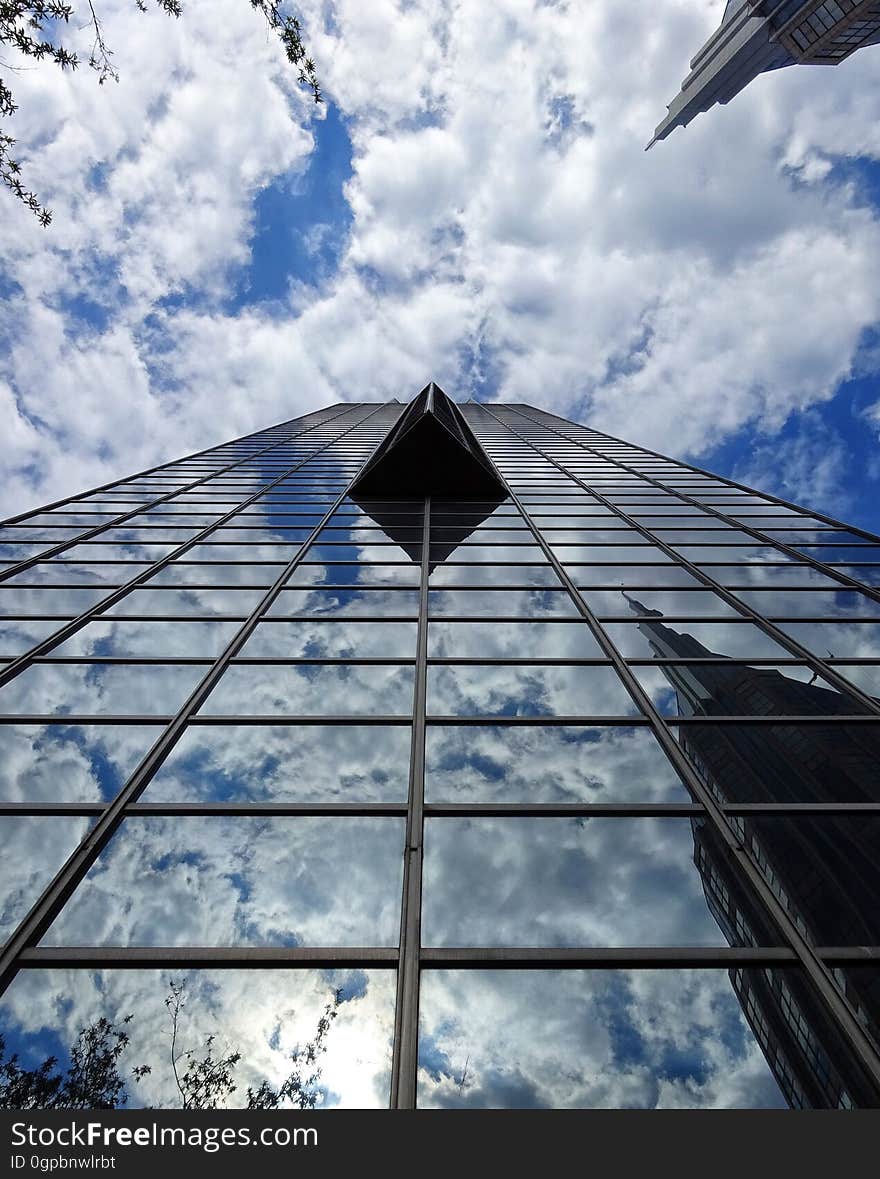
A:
{"x":743,"y":608}
{"x":58,"y":503}
{"x":433,"y":660}
{"x":405,"y":1052}
{"x":198,"y":957}
{"x":231,"y":809}
{"x":53,"y":898}
{"x":603,"y":958}
{"x":95,"y":611}
{"x":835,"y":1002}
{"x":485,"y":720}
{"x":84,"y":537}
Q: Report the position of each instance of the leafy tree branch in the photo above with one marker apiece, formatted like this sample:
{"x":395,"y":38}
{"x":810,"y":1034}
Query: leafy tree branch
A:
{"x":33,"y":28}
{"x":204,"y":1078}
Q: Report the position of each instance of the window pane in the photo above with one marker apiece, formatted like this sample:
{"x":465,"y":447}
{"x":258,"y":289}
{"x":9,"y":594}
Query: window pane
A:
{"x":695,"y":640}
{"x":677,"y":602}
{"x":520,"y":640}
{"x":102,"y":689}
{"x":155,"y":639}
{"x":559,"y":764}
{"x":346,"y":602}
{"x":736,"y":689}
{"x":783,"y":763}
{"x":527,"y":691}
{"x":312,"y":690}
{"x":494,"y":575}
{"x":69,"y":763}
{"x":569,"y":882}
{"x":265,"y":1015}
{"x":18,"y":637}
{"x":629,"y":1039}
{"x":503,"y":603}
{"x":285,"y":763}
{"x":825,"y":870}
{"x":240,"y":881}
{"x":332,"y":639}
{"x":597,"y":1039}
{"x":31,"y":852}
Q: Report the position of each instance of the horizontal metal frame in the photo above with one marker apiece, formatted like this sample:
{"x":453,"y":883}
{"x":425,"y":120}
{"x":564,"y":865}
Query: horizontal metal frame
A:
{"x":512,"y":587}
{"x":806,"y":657}
{"x":487,"y":720}
{"x":435,"y":660}
{"x":463,"y":545}
{"x":442,"y":810}
{"x":160,"y":957}
{"x":416,"y":529}
{"x":672,"y":564}
{"x":432,"y":958}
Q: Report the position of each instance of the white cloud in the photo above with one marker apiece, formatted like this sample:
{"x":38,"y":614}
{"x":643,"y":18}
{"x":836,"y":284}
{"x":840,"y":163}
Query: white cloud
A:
{"x":501,"y":203}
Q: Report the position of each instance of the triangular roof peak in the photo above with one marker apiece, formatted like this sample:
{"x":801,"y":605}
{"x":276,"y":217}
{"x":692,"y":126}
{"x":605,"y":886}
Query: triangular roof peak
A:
{"x":431,"y":450}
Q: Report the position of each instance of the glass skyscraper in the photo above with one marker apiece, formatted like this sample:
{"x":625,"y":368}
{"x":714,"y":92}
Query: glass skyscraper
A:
{"x":758,"y":36}
{"x":473,"y":755}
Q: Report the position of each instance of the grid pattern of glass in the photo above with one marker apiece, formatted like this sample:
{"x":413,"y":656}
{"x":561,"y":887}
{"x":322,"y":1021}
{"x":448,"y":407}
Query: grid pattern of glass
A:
{"x":567,"y":800}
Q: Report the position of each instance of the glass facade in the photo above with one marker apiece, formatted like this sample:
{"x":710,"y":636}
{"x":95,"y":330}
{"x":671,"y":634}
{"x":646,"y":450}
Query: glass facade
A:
{"x":567,"y":797}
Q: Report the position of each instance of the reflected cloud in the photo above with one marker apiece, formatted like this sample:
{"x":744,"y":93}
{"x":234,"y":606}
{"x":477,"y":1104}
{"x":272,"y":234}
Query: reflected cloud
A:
{"x":266,"y":1015}
{"x":671,"y":1039}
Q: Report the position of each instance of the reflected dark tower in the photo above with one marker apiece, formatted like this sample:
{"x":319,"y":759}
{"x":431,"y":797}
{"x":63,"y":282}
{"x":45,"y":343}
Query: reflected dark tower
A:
{"x":825,"y":871}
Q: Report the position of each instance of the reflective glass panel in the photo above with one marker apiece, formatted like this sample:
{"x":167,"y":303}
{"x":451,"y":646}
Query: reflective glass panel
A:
{"x":212,"y":881}
{"x":600,"y":1039}
{"x":345,"y":602}
{"x":69,"y":763}
{"x":570,"y":882}
{"x":263,"y":1015}
{"x":513,"y":640}
{"x":98,"y":689}
{"x":560,"y":764}
{"x":306,"y":689}
{"x":697,"y":640}
{"x":285,"y":763}
{"x":784,"y":763}
{"x":527,"y":691}
{"x":503,"y":603}
{"x":31,"y":852}
{"x":320,"y":638}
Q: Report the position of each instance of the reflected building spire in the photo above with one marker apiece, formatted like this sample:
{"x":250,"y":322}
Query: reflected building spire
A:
{"x":825,"y":871}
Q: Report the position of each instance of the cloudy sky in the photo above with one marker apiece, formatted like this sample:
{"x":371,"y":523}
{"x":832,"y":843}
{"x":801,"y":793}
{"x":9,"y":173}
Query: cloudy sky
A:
{"x":472,"y":204}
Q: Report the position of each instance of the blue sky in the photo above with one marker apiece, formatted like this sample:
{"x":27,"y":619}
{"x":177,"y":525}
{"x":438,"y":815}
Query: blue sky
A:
{"x":472,"y":204}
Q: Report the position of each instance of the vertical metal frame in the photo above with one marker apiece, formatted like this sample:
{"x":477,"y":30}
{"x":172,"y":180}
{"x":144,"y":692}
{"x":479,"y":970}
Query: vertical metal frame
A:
{"x":405,"y":1053}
